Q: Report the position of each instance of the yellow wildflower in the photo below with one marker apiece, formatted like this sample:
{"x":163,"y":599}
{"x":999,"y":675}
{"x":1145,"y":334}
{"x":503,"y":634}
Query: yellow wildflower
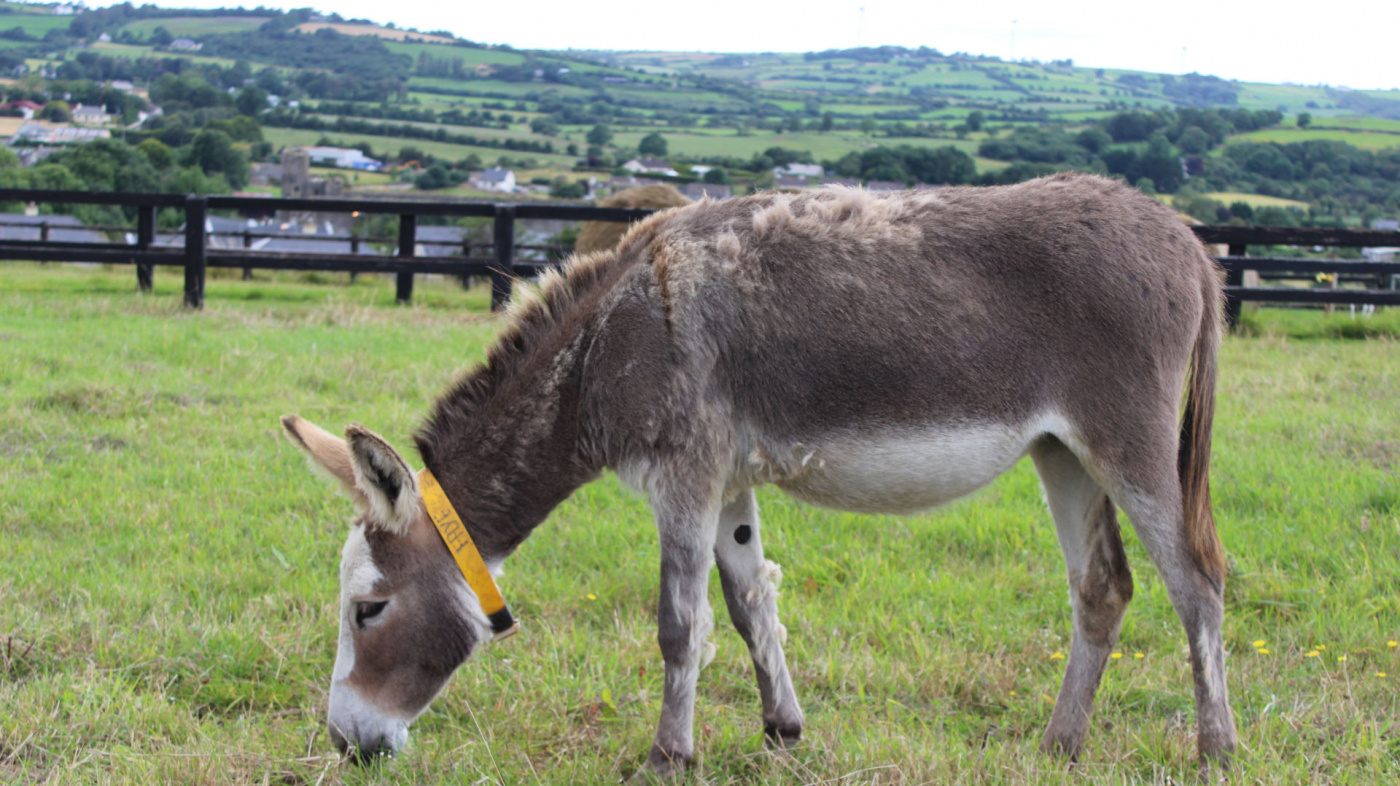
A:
{"x":1058,"y":656}
{"x":1341,"y":658}
{"x":1139,"y":655}
{"x":1260,"y":643}
{"x":591,"y":596}
{"x":1392,"y":644}
{"x":1262,"y":651}
{"x":1380,"y":674}
{"x":1116,"y":655}
{"x":1312,"y":654}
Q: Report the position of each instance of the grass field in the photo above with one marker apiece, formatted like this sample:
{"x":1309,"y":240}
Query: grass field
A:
{"x":1366,"y":140}
{"x":1256,"y":200}
{"x":195,"y":26}
{"x":168,"y":575}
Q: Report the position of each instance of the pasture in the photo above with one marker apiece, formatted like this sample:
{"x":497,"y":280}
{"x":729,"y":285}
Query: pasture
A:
{"x":169,"y":571}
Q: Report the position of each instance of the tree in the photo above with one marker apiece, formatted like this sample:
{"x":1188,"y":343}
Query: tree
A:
{"x":718,"y":176}
{"x":599,"y":135}
{"x":652,"y":144}
{"x":975,"y":119}
{"x":56,"y":111}
{"x":161,"y":37}
{"x":251,"y":100}
{"x":1304,"y":119}
{"x":1193,"y":141}
{"x":213,"y":152}
{"x":828,"y":120}
{"x":435,"y":177}
{"x":544,"y":126}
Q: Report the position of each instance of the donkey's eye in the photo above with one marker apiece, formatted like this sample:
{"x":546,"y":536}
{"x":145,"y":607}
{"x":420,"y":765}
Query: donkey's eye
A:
{"x":368,"y":610}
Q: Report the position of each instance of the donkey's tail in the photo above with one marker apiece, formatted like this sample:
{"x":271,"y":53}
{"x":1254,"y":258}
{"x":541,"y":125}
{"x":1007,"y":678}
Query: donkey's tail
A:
{"x":1193,"y":457}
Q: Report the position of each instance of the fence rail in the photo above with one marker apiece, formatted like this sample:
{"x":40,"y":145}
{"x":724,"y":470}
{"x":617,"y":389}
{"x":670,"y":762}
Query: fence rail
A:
{"x":502,"y":266}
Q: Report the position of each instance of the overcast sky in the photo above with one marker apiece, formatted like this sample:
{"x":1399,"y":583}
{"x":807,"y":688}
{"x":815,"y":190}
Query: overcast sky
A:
{"x":1339,"y":44}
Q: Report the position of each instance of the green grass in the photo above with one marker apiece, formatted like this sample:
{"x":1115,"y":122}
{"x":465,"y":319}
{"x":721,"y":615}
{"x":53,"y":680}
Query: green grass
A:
{"x":168,"y":574}
{"x":35,"y":25}
{"x":1256,"y":200}
{"x":1365,"y":140}
{"x":195,"y":26}
{"x":830,"y":146}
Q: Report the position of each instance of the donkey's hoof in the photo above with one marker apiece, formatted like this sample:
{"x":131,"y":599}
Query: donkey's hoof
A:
{"x":1061,"y":747}
{"x":781,"y":737}
{"x":660,"y":767}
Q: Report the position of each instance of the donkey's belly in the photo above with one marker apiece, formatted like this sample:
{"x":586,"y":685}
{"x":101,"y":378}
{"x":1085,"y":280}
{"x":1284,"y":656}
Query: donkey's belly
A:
{"x":907,"y":470}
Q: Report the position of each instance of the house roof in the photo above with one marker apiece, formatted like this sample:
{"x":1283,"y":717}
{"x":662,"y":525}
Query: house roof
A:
{"x":494,"y":175}
{"x":711,"y":190}
{"x":790,"y":182}
{"x":66,"y":229}
{"x":884,"y":185}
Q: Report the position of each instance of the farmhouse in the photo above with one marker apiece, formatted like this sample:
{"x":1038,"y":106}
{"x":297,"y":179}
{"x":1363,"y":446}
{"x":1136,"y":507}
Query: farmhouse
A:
{"x":493,"y":179}
{"x":185,"y":45}
{"x":649,"y":166}
{"x":786,"y":181}
{"x":91,"y":115}
{"x":800,"y":170}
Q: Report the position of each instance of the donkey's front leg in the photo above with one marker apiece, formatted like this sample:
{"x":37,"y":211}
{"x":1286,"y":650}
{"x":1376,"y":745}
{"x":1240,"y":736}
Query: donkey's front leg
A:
{"x":684,"y":621}
{"x":751,"y":593}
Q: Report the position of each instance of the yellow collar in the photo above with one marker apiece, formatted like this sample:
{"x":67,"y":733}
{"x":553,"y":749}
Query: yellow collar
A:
{"x":474,"y":570}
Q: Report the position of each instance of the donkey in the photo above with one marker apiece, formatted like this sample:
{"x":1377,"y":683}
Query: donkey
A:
{"x":868,"y":353}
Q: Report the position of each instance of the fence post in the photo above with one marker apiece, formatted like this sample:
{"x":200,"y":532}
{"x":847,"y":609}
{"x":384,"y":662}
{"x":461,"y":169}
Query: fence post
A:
{"x":1234,"y":277}
{"x":466,"y":254}
{"x":502,"y":270}
{"x":247,"y":243}
{"x":145,"y":235}
{"x":195,"y":211}
{"x":354,"y":251}
{"x":408,"y":231}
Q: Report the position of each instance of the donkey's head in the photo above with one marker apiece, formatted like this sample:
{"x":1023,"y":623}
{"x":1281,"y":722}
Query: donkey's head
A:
{"x":407,"y":616}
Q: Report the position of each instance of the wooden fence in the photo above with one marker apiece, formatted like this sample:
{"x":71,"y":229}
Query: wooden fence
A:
{"x":1380,"y":279}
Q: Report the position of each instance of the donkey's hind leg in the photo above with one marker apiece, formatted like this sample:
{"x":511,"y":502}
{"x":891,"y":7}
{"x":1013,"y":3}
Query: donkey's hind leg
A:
{"x":751,"y":593}
{"x":1100,"y":587}
{"x":1197,"y":593}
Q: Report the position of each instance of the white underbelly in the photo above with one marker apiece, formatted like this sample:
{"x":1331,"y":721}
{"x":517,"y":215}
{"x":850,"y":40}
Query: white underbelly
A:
{"x":907,"y":470}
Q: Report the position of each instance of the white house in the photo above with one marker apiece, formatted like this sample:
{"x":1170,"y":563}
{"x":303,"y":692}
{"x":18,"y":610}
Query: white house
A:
{"x":799,"y":170}
{"x":91,"y":115}
{"x":185,"y":45}
{"x":342,"y":157}
{"x":649,"y":166}
{"x":493,"y":179}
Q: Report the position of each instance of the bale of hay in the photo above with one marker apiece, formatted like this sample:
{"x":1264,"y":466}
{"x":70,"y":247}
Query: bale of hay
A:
{"x":602,"y":235}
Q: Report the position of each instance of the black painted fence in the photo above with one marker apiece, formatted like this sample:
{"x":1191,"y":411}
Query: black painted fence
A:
{"x":1380,"y":279}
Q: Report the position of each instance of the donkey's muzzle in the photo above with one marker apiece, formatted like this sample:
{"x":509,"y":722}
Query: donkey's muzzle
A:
{"x":363,"y":752}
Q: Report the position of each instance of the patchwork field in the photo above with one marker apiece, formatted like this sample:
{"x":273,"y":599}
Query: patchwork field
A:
{"x":169,"y":571}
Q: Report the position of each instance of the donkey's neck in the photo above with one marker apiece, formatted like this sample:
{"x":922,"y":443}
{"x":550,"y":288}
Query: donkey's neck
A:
{"x":513,"y":463}
{"x":505,"y":441}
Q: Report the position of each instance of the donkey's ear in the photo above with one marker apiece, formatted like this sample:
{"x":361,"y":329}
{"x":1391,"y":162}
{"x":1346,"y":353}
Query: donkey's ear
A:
{"x":385,"y":478}
{"x":327,"y":454}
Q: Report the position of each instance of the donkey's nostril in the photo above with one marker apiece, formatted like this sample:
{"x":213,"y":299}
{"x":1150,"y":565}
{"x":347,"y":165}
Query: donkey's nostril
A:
{"x":366,"y":755}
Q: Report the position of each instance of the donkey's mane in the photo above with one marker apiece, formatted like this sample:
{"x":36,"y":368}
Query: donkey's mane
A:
{"x":535,"y":313}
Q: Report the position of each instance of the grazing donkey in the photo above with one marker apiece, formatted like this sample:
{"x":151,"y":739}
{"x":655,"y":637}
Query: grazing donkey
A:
{"x":868,"y":353}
